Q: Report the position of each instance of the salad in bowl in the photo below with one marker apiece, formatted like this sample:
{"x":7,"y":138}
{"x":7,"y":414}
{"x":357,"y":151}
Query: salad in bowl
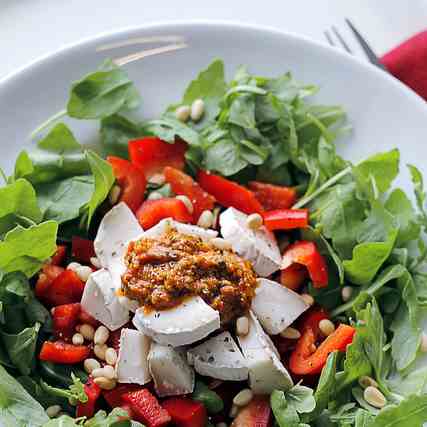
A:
{"x":220,"y":265}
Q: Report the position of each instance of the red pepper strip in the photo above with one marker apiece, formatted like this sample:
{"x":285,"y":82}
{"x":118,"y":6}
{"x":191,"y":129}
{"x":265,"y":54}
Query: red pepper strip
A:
{"x":229,"y":193}
{"x":93,"y":392}
{"x":82,"y":249}
{"x":304,"y":362}
{"x":146,"y":408}
{"x":61,"y":352}
{"x":59,"y":255}
{"x":306,"y":253}
{"x":186,"y":412}
{"x":257,"y":413}
{"x":65,"y":318}
{"x":273,"y":196}
{"x":65,"y":289}
{"x":46,"y":277}
{"x":293,"y":276}
{"x":115,"y":397}
{"x":151,"y":155}
{"x":131,"y":180}
{"x":152,"y":211}
{"x":310,"y":320}
{"x":286,"y":219}
{"x":182,"y":183}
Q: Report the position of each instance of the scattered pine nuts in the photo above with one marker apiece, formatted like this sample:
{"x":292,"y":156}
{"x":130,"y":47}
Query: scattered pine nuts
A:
{"x":182,"y":113}
{"x":374,"y":397}
{"x":221,"y":243}
{"x":83,"y":272}
{"x":326,"y":327}
{"x":105,"y":383}
{"x":154,"y":195}
{"x":114,"y":194}
{"x":95,"y":262}
{"x":111,"y":356}
{"x":73,"y":266}
{"x":187,"y":203}
{"x":243,"y":397}
{"x":87,"y":331}
{"x":242,"y":326}
{"x":254,"y":221}
{"x":346,"y":293}
{"x":78,"y":339}
{"x":53,"y":411}
{"x":205,"y":219}
{"x":234,"y":411}
{"x":366,"y":381}
{"x":197,"y":110}
{"x":109,"y":372}
{"x":291,"y":333}
{"x":101,"y":335}
{"x":308,"y":299}
{"x":100,"y":350}
{"x":90,"y":365}
{"x":423,"y":345}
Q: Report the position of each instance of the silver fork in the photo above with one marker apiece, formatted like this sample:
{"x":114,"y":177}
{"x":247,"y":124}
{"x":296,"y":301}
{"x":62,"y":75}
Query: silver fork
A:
{"x":334,"y":38}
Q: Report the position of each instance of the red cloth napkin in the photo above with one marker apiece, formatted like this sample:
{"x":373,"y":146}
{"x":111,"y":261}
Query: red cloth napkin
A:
{"x":408,"y":63}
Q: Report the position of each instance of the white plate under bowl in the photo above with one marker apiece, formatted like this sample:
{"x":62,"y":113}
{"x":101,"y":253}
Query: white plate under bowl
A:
{"x":383,"y":112}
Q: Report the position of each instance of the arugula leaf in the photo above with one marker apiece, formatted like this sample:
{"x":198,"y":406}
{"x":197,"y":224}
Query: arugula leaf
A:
{"x":32,"y":386}
{"x":102,"y":93}
{"x":75,"y":392}
{"x":62,"y":421}
{"x":284,"y":413}
{"x":114,"y":419}
{"x":17,"y":407}
{"x":363,"y":418}
{"x":301,"y":398}
{"x":59,"y":140}
{"x":420,"y":195}
{"x":25,"y":249}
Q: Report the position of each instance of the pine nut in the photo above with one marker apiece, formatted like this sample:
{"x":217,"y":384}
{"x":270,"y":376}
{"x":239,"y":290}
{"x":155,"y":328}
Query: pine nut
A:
{"x":101,"y":335}
{"x":423,"y":345}
{"x":308,"y":299}
{"x":197,"y":110}
{"x":73,"y":266}
{"x":157,"y":178}
{"x":109,"y":372}
{"x":53,"y":411}
{"x":95,"y":262}
{"x":326,"y":327}
{"x":114,"y":194}
{"x":90,"y":365}
{"x":243,"y":397}
{"x":111,"y":356}
{"x":254,"y":221}
{"x":205,"y":219}
{"x":374,"y":397}
{"x":100,"y":350}
{"x":346,"y":293}
{"x":87,"y":331}
{"x":97,"y":373}
{"x":182,"y":113}
{"x":83,"y":272}
{"x":187,"y":203}
{"x":242,"y":326}
{"x":221,"y":243}
{"x":105,"y":383}
{"x":234,"y":411}
{"x":154,"y":195}
{"x":78,"y":339}
{"x":366,"y":381}
{"x":291,"y":333}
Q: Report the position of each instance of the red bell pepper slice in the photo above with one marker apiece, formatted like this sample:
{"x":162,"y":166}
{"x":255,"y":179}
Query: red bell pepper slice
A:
{"x":286,"y":219}
{"x":61,"y":352}
{"x":186,"y":412}
{"x":65,"y":318}
{"x":46,"y":277}
{"x":310,"y":320}
{"x":273,"y":196}
{"x":65,"y":289}
{"x":82,"y":249}
{"x":114,"y":397}
{"x":229,"y":193}
{"x":151,"y":154}
{"x":59,"y":255}
{"x":306,"y":253}
{"x":256,"y":414}
{"x":304,"y":361}
{"x":93,"y":392}
{"x":181,"y":183}
{"x":85,"y":317}
{"x":293,"y":276}
{"x":153,"y":211}
{"x":146,"y":408}
{"x":131,"y":180}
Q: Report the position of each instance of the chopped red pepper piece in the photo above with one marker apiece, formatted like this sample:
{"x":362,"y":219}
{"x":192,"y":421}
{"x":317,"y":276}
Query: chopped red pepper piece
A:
{"x":306,"y":253}
{"x":186,"y":412}
{"x":273,"y":196}
{"x":85,"y":317}
{"x":181,"y":183}
{"x":293,"y":276}
{"x":146,"y":408}
{"x":82,"y":249}
{"x":286,"y":219}
{"x":304,"y":361}
{"x":152,"y":211}
{"x":59,"y":255}
{"x":151,"y":154}
{"x":65,"y":318}
{"x":131,"y":180}
{"x":65,"y":289}
{"x":257,"y":413}
{"x":61,"y":352}
{"x":46,"y":277}
{"x":93,"y":392}
{"x":114,"y":397}
{"x":229,"y":193}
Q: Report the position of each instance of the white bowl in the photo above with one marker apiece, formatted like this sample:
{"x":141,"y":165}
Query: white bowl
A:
{"x":383,"y":112}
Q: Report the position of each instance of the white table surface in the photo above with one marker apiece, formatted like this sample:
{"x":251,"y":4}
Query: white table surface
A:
{"x":32,"y":28}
